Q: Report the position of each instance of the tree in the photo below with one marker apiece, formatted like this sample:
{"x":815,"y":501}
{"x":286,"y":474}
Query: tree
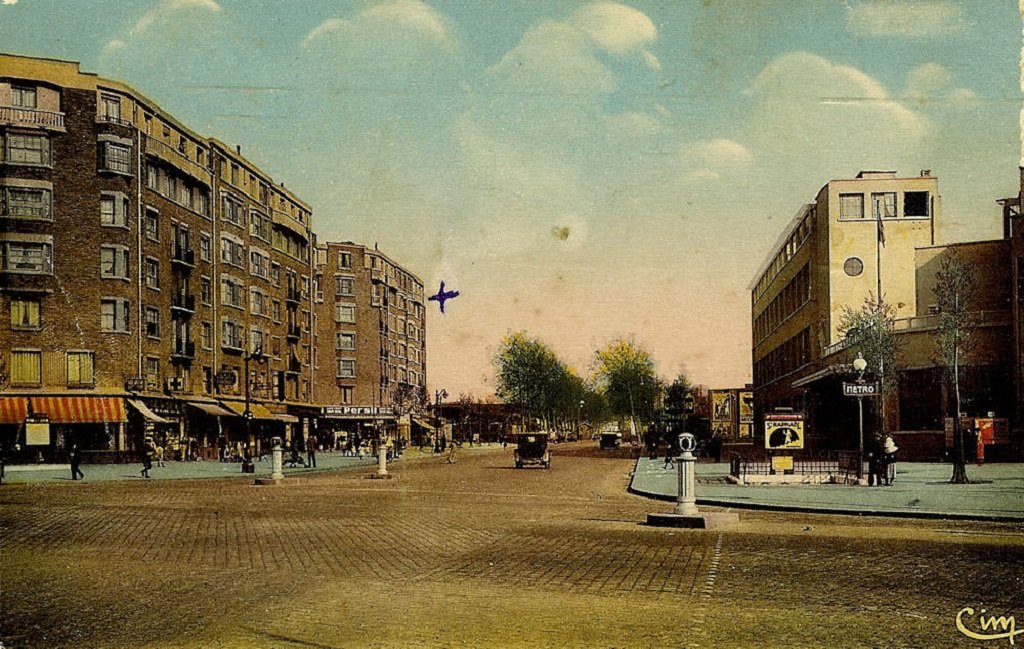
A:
{"x":625,"y":376}
{"x":870,"y":331}
{"x":528,"y":374}
{"x":954,"y":292}
{"x":675,"y":396}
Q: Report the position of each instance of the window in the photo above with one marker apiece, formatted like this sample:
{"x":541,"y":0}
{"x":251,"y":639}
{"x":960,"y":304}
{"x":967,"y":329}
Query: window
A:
{"x":114,"y":209}
{"x":115,"y":157}
{"x":80,"y":368}
{"x":346,"y":368}
{"x":185,"y":195}
{"x":206,"y":335}
{"x":234,"y":174}
{"x":851,"y":206}
{"x":347,"y":341}
{"x":345,"y":313}
{"x":205,"y":290}
{"x":152,"y":373}
{"x":171,"y":186}
{"x":277,"y":310}
{"x":202,"y":201}
{"x":110,"y":107}
{"x":26,"y":203}
{"x":883,"y":205}
{"x":255,"y":341}
{"x":26,"y":257}
{"x":152,"y":177}
{"x":231,"y":210}
{"x":152,"y":322}
{"x":259,"y":225}
{"x":275,"y":347}
{"x":853,"y":267}
{"x":26,"y":367}
{"x":231,"y":334}
{"x":152,"y":273}
{"x":114,"y":315}
{"x":25,"y":313}
{"x":915,"y":204}
{"x":344,"y":260}
{"x":205,"y":247}
{"x":259,"y":264}
{"x":346,"y":286}
{"x":27,"y":149}
{"x":275,"y":273}
{"x":259,"y":304}
{"x":232,"y":252}
{"x":152,"y":224}
{"x":114,"y":262}
{"x":23,"y":96}
{"x":232,"y":292}
{"x":347,"y":394}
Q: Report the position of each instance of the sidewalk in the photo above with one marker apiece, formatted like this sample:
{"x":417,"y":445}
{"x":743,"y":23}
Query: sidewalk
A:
{"x":174,"y":470}
{"x":920,"y":490}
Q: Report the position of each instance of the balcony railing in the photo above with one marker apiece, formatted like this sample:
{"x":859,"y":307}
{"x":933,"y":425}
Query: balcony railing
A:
{"x":293,"y":295}
{"x":184,"y":303}
{"x":294,"y":331}
{"x":33,"y":116}
{"x":110,"y":119}
{"x":183,"y":256}
{"x":912,"y":324}
{"x":171,"y":155}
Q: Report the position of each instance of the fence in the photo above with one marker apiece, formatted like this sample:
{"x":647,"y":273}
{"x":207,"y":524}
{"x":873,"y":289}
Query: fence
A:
{"x":840,"y":465}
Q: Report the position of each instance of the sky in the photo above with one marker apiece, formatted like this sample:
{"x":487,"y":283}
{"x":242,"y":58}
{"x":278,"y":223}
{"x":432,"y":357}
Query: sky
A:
{"x":582,"y":171}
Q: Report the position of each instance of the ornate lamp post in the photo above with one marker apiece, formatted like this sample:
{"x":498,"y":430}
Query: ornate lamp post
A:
{"x":859,"y":364}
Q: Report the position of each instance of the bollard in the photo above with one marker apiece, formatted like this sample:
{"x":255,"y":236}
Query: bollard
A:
{"x":277,"y":472}
{"x":382,"y":460}
{"x":686,"y":498}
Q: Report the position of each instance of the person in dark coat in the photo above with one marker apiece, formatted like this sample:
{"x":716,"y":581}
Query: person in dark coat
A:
{"x":75,"y":458}
{"x":311,"y":451}
{"x":148,"y":449}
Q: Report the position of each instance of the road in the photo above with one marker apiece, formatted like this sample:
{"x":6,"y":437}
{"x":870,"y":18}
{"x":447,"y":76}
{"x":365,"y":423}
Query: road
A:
{"x":474,"y":554}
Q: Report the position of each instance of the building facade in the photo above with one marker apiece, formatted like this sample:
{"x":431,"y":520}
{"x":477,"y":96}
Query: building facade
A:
{"x":864,"y":237}
{"x":371,"y":324}
{"x":144,"y":269}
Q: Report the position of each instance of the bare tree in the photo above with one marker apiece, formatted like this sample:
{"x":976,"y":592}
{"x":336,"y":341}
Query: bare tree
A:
{"x":954,"y":291}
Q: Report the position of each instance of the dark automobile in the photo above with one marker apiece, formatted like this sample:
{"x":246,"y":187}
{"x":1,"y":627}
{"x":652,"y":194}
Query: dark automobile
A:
{"x":611,"y":439}
{"x":532,"y":450}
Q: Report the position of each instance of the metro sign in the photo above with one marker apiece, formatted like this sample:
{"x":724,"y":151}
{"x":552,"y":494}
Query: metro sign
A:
{"x":861,"y":389}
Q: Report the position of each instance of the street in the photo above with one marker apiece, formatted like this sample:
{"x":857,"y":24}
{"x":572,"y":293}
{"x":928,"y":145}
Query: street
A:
{"x":474,"y":554}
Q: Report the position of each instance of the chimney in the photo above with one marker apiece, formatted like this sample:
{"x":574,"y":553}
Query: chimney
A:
{"x":238,"y":149}
{"x":925,"y":173}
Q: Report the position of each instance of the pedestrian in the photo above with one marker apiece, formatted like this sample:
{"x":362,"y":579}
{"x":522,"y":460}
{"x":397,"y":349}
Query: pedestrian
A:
{"x":147,"y":458}
{"x":75,"y":458}
{"x":389,"y":448}
{"x":889,"y":464}
{"x":311,"y":451}
{"x":159,"y":455}
{"x":451,"y":453}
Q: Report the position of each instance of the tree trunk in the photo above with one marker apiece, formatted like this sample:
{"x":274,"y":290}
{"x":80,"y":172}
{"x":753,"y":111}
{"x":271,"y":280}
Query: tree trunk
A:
{"x":959,"y":463}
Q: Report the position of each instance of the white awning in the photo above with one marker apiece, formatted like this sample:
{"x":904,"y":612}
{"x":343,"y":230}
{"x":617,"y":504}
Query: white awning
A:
{"x":147,"y":413}
{"x":211,"y":409}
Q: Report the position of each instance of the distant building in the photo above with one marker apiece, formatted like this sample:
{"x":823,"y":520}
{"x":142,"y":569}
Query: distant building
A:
{"x":874,"y":233}
{"x":371,"y":327}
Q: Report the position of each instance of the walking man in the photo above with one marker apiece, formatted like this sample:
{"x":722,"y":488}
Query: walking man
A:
{"x":311,"y":451}
{"x":75,"y":458}
{"x":147,"y":458}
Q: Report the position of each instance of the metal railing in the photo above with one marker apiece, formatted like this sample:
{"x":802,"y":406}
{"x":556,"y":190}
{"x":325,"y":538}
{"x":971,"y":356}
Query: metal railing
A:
{"x":842,"y":465}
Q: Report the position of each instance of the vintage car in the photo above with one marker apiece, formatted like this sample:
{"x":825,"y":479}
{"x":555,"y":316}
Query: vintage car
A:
{"x":532,"y":450}
{"x":611,"y":439}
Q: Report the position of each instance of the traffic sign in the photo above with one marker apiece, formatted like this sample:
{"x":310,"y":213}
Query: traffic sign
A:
{"x":861,"y":389}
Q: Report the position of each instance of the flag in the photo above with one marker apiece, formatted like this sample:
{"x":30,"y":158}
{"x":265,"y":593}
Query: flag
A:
{"x":881,"y":231}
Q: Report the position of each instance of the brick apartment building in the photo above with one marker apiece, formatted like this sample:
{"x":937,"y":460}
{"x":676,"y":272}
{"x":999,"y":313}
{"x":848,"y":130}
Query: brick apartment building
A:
{"x":143,"y":267}
{"x":371,"y":324}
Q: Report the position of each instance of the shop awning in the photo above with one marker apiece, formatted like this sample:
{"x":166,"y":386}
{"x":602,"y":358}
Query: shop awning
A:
{"x":285,"y":417}
{"x":13,"y":410}
{"x":80,"y":410}
{"x":258,"y":411}
{"x":211,"y":409}
{"x":147,"y":413}
{"x":422,"y":424}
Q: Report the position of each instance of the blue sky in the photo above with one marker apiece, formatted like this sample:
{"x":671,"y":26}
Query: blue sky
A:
{"x":581,"y":170}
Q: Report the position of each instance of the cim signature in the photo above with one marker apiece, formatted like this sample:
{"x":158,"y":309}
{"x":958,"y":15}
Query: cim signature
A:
{"x":992,"y":627}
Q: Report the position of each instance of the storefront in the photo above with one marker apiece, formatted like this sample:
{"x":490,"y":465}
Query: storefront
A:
{"x":96,"y":424}
{"x":205,"y":423}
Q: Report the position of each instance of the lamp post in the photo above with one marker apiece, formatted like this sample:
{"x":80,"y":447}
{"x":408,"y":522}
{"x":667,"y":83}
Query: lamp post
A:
{"x":439,"y":397}
{"x":859,"y":364}
{"x":579,"y":420}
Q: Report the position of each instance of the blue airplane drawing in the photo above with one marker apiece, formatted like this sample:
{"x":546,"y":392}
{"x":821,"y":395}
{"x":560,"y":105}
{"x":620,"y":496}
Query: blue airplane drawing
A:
{"x":442,"y":296}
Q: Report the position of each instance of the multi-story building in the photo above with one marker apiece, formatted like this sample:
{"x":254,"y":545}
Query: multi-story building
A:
{"x":371,"y":324}
{"x":143,"y":269}
{"x":874,"y":234}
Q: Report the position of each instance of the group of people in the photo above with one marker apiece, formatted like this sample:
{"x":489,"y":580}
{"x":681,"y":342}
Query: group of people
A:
{"x":882,"y":462}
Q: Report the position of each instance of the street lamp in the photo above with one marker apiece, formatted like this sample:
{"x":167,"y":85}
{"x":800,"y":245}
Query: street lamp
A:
{"x":579,"y":420}
{"x":439,"y":396}
{"x":859,"y":365}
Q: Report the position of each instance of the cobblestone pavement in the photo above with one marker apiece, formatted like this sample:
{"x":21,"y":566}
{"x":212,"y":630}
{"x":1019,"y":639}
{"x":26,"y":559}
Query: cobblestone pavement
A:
{"x":474,"y":554}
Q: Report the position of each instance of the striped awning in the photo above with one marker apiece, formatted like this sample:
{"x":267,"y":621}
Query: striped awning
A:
{"x":80,"y":410}
{"x":13,"y":410}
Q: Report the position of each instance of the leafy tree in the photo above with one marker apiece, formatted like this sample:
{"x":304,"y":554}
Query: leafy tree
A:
{"x":870,"y":331}
{"x":528,"y":374}
{"x":625,"y":376}
{"x":954,"y":291}
{"x":675,"y":396}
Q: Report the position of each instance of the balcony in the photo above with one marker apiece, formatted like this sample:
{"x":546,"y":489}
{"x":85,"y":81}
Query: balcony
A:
{"x":183,"y":350}
{"x":172,"y":156}
{"x":111,"y":119}
{"x":183,"y":257}
{"x":293,"y":295}
{"x":183,"y":304}
{"x":294,"y":332}
{"x":18,"y":116}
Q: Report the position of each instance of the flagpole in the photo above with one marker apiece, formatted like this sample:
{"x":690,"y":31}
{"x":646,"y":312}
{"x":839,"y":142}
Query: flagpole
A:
{"x":879,"y":240}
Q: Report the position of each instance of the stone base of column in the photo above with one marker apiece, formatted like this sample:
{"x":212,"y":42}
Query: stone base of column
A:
{"x":702,"y":521}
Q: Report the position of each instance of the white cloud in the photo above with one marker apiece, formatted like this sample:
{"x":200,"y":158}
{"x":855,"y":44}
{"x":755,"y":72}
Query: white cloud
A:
{"x":905,"y":18}
{"x":408,"y":16}
{"x":177,"y":16}
{"x":614,"y":27}
{"x":932,"y":83}
{"x":10,"y":2}
{"x":710,"y":159}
